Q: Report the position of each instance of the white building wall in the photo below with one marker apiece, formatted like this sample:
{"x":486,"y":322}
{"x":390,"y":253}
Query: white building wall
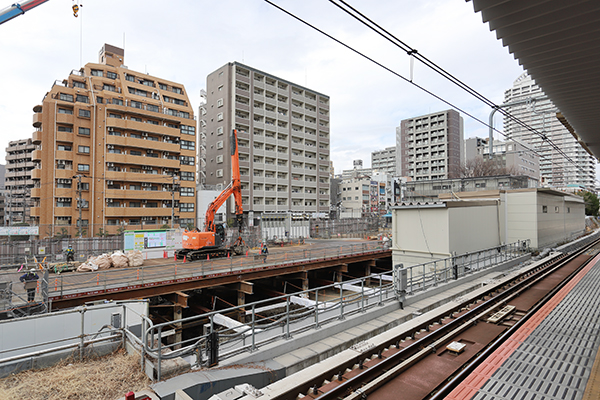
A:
{"x":204,"y":198}
{"x":473,"y":228}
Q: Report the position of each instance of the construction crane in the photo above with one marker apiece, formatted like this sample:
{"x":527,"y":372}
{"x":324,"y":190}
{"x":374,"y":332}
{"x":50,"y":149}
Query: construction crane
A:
{"x":211,"y":241}
{"x":17,"y":9}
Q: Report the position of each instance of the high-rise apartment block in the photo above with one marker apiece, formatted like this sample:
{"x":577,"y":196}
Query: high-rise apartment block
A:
{"x":283,"y":135}
{"x":17,"y":180}
{"x":429,"y":146}
{"x":509,"y":157}
{"x":526,"y":101}
{"x":115,"y":148}
{"x":384,"y":160}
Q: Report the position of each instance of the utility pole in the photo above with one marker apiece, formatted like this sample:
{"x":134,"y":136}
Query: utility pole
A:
{"x":173,"y":200}
{"x":79,"y":204}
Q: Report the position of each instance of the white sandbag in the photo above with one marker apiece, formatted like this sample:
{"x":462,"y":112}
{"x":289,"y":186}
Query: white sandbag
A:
{"x":87,"y":267}
{"x":103,"y":262}
{"x":119,"y":260}
{"x":136,"y":259}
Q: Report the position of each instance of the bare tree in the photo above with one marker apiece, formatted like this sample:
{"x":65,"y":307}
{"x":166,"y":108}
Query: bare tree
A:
{"x":485,"y":167}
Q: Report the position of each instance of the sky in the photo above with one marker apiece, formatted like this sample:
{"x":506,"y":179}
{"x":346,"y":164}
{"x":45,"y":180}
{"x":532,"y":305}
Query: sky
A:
{"x":185,"y":40}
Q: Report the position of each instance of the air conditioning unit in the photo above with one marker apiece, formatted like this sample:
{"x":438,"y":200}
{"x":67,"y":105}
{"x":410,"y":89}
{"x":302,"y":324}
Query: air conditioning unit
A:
{"x":110,"y":147}
{"x":61,"y":162}
{"x":110,"y":129}
{"x":145,"y":134}
{"x":109,"y":200}
{"x":145,"y":184}
{"x":149,"y":151}
{"x":109,"y":182}
{"x":144,"y":201}
{"x":110,"y":164}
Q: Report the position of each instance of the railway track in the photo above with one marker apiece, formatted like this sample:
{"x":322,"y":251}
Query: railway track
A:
{"x":430,"y":359}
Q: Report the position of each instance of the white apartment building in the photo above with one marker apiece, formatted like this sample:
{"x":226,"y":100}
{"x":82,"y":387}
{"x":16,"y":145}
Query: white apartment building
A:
{"x":283,"y":136}
{"x":540,"y":114}
{"x":384,"y":160}
{"x":17,"y":180}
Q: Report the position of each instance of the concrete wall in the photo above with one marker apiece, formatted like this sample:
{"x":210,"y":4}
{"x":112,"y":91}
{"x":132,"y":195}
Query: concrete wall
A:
{"x":564,"y":218}
{"x":519,"y":217}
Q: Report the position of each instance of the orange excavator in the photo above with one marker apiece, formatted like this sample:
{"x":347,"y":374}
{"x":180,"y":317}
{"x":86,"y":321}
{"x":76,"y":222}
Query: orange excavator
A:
{"x":211,"y":242}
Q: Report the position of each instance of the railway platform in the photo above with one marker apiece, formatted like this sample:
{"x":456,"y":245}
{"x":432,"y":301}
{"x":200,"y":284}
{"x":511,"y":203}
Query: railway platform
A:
{"x":554,"y":355}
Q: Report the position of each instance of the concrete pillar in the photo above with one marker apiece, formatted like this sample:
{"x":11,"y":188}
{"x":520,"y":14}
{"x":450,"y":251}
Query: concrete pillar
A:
{"x":369,"y":264}
{"x":305,"y":282}
{"x":177,"y":314}
{"x":241,"y":301}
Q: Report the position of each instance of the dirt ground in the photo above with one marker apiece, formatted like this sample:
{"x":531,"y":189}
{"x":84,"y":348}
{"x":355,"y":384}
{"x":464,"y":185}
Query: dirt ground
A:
{"x":107,"y":378}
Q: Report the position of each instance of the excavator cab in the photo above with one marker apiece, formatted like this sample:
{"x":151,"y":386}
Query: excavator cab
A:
{"x":219,"y":234}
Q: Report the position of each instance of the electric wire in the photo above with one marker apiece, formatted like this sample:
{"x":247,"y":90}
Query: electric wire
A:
{"x":449,"y":76}
{"x":411,"y":51}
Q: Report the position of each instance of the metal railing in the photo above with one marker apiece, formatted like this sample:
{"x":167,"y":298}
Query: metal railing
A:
{"x":270,"y":320}
{"x":424,"y":276}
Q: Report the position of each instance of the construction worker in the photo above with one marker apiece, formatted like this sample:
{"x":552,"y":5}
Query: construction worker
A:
{"x":70,"y":253}
{"x":30,"y":280}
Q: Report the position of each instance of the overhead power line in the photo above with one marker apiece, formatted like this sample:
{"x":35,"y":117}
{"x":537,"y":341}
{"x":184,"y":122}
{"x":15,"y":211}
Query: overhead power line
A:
{"x":414,"y":52}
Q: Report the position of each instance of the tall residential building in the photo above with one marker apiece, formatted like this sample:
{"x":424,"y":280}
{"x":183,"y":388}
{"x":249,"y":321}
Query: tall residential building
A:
{"x":17,"y":180}
{"x":384,"y":160}
{"x":128,"y":137}
{"x":555,"y":169}
{"x":430,"y":146}
{"x":283,"y":135}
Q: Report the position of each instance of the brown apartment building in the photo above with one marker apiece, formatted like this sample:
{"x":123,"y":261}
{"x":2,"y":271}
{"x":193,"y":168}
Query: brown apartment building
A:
{"x":128,"y":137}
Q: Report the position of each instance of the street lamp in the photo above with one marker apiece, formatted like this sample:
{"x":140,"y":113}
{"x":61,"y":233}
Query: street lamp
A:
{"x":80,"y":203}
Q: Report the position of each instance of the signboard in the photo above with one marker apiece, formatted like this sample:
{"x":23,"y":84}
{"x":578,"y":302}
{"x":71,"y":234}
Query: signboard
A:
{"x":155,"y":239}
{"x":19,"y":230}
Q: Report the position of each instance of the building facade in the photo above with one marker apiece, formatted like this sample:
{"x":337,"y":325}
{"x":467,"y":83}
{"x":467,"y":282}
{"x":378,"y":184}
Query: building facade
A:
{"x":115,"y":149}
{"x":283,"y":136}
{"x":384,"y":160}
{"x":17,"y":180}
{"x":526,"y":101}
{"x":430,"y":146}
{"x":512,"y":157}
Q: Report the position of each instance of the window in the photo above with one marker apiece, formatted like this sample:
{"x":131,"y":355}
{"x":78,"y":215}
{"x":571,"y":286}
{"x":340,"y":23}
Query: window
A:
{"x":135,"y":104}
{"x":63,"y":202}
{"x":220,"y":103}
{"x":135,"y":153}
{"x":82,"y":99}
{"x":219,"y":159}
{"x":111,"y":75}
{"x":186,"y":207}
{"x":185,"y":160}
{"x":65,"y":129}
{"x":63,"y":184}
{"x":219,"y":173}
{"x":65,"y":111}
{"x":568,"y":210}
{"x":118,"y":102}
{"x":83,"y":167}
{"x":220,"y":88}
{"x":63,"y":147}
{"x":99,"y":99}
{"x":187,"y":176}
{"x":151,"y":107}
{"x":135,"y":187}
{"x":220,"y":117}
{"x":84,"y":131}
{"x":84,"y":203}
{"x":65,"y":97}
{"x":135,"y":204}
{"x":85,"y":113}
{"x":186,"y":192}
{"x":97,"y":72}
{"x":112,"y":115}
{"x":162,"y":86}
{"x":220,"y":130}
{"x":136,"y":119}
{"x":556,"y":209}
{"x":176,"y":90}
{"x":84,"y":149}
{"x":220,"y":144}
{"x":545,"y":209}
{"x":187,"y":145}
{"x":129,"y":78}
{"x":84,"y":186}
{"x":110,"y":88}
{"x":137,"y":92}
{"x":77,"y":84}
{"x":188,"y":130}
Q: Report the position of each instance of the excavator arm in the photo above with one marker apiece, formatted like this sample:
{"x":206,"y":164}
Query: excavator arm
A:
{"x":234,"y":188}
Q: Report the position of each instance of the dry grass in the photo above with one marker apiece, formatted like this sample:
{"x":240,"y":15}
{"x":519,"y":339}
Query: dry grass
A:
{"x":108,"y":377}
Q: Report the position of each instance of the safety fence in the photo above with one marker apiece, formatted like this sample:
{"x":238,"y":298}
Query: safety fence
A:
{"x":424,"y":276}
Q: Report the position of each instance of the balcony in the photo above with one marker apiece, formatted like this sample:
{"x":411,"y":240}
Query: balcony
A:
{"x":137,"y":211}
{"x":36,"y":173}
{"x":37,"y":137}
{"x":37,"y":120}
